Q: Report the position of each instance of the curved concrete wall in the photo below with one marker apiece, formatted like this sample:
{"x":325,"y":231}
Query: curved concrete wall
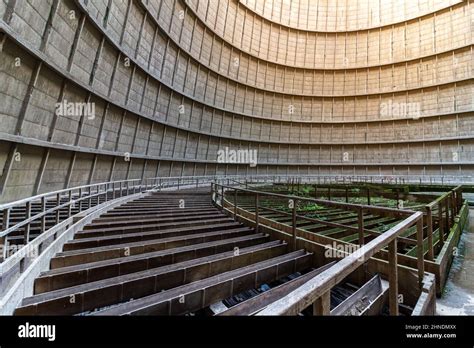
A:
{"x":343,"y":15}
{"x":173,"y":82}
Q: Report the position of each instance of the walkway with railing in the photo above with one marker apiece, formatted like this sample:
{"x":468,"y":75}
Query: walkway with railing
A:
{"x":25,"y":219}
{"x":43,"y":218}
{"x":226,"y":197}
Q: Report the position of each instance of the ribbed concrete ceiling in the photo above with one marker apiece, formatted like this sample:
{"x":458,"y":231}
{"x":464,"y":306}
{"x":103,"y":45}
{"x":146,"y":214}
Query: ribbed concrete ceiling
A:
{"x":343,"y":15}
{"x":370,"y":89}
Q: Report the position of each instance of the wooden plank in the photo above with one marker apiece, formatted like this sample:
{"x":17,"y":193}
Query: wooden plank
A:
{"x":202,"y":293}
{"x":368,"y":292}
{"x":305,"y":295}
{"x":393,"y":278}
{"x":259,"y":302}
{"x":143,"y":283}
{"x":322,"y":306}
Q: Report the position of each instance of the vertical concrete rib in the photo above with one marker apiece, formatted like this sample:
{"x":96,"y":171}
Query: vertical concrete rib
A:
{"x":75,"y":42}
{"x":39,"y":178}
{"x":26,"y":100}
{"x":8,"y":166}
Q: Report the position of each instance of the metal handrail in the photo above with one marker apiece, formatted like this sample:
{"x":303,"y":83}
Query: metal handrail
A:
{"x":344,"y":205}
{"x":74,"y":195}
{"x":53,"y":193}
{"x":124,"y":187}
{"x":89,"y":192}
{"x":316,"y":291}
{"x":307,"y":177}
{"x":349,"y":263}
{"x":450,"y":203}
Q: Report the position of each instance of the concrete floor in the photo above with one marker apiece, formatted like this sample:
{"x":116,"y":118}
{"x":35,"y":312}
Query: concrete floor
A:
{"x":458,"y":296}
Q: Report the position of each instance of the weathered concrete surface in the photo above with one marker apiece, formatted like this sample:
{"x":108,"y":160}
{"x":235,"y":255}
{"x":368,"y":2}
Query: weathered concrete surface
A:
{"x":458,"y":295}
{"x":173,"y":83}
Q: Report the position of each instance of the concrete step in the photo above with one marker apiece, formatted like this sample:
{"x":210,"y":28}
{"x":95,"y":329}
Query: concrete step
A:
{"x":199,"y":294}
{"x":139,"y":284}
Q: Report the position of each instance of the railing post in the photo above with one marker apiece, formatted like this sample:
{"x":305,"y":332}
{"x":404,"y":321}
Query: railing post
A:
{"x":368,"y":196}
{"x":80,"y":200}
{"x":222,"y":196}
{"x":441,"y":223}
{"x":43,"y":218}
{"x":235,"y":204}
{"x":420,"y":250}
{"x":197,"y":182}
{"x":92,"y":188}
{"x":429,"y":224}
{"x":89,"y":199}
{"x":448,"y":212}
{"x":178,"y":182}
{"x":27,"y":226}
{"x":448,"y":218}
{"x":106,"y":187}
{"x":5,"y":226}
{"x":58,"y":200}
{"x":322,"y":305}
{"x":293,"y":225}
{"x":453,"y":203}
{"x":347,"y":195}
{"x":256,"y":212}
{"x":393,"y":277}
{"x":360,"y":224}
{"x":453,"y":206}
{"x":69,"y":207}
{"x":459,"y":198}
